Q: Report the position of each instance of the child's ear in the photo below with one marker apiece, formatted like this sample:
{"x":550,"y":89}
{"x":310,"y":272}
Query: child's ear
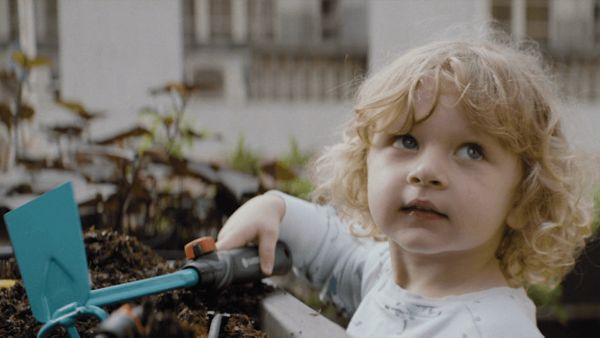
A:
{"x":514,"y":219}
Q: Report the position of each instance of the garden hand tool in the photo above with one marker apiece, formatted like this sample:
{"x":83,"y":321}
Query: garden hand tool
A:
{"x":125,"y":322}
{"x":48,"y":244}
{"x":130,"y":321}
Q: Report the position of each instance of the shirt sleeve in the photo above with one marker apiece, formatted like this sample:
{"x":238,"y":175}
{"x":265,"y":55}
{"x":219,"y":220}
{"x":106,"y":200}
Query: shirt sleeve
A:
{"x":324,"y":251}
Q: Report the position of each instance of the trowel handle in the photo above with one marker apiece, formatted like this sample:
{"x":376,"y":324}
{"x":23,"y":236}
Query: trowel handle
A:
{"x":218,"y":269}
{"x":245,"y":263}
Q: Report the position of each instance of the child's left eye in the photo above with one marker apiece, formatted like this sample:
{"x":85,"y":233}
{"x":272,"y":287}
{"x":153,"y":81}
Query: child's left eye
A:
{"x":471,"y":151}
{"x":406,"y":141}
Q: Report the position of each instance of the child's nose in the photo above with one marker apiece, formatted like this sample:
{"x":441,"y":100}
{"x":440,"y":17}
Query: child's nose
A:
{"x":428,"y":171}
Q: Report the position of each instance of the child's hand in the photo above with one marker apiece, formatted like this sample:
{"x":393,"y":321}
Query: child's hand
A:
{"x":256,"y":221}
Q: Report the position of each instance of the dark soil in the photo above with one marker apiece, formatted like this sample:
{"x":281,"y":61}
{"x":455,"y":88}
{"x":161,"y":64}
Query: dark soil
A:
{"x":115,"y":259}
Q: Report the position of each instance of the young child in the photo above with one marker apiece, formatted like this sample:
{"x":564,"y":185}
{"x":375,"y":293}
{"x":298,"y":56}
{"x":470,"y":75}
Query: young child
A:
{"x":456,"y":156}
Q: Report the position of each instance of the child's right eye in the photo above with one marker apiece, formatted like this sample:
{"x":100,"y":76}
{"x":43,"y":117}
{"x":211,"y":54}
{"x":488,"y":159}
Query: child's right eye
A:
{"x":406,"y":141}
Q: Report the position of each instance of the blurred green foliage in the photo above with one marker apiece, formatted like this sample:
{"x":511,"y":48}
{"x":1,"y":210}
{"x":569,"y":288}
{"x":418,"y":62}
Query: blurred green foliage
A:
{"x":299,"y":187}
{"x":249,"y":161}
{"x":245,"y":159}
{"x":297,"y":161}
{"x":295,"y":158}
{"x":596,"y":213}
{"x":170,"y":131}
{"x":548,"y":301}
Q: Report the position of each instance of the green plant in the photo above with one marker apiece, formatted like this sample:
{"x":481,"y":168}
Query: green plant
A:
{"x":13,"y":114}
{"x":596,"y":213}
{"x":284,"y":171}
{"x":244,"y":159}
{"x":299,"y":187}
{"x":171,"y":130}
{"x":548,"y":300}
{"x":295,"y":158}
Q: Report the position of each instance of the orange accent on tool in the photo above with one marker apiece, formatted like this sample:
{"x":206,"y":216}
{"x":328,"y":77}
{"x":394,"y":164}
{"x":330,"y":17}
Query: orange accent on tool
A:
{"x":200,"y":246}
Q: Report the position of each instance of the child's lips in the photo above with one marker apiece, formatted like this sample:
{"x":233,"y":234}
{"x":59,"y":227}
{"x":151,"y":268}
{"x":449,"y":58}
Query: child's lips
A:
{"x":423,"y":209}
{"x":424,"y":214}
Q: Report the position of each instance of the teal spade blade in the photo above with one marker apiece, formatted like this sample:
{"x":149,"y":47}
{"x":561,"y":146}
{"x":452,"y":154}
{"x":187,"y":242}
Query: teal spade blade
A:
{"x":48,"y":243}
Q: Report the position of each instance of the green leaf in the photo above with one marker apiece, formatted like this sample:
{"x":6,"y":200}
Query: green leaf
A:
{"x":148,"y":111}
{"x":596,"y":213}
{"x":298,"y":187}
{"x":549,"y":300}
{"x":243,"y":159}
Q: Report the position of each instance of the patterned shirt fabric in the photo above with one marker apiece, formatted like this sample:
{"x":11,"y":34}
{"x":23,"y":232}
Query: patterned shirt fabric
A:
{"x":355,"y":274}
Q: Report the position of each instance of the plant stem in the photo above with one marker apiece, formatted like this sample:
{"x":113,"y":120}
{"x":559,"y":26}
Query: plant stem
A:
{"x":17,"y":117}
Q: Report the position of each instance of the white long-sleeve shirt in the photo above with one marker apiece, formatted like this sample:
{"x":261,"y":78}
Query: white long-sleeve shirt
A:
{"x":356,"y":275}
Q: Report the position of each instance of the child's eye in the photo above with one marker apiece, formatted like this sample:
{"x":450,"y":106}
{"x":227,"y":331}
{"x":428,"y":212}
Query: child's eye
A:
{"x":406,"y":141}
{"x":471,"y":151}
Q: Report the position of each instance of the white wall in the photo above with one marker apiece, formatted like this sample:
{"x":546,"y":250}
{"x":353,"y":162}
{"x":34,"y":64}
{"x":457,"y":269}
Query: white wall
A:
{"x":112,"y":51}
{"x":572,"y":25}
{"x":265,"y":126}
{"x":4,"y":21}
{"x":582,"y":121}
{"x":353,"y":23}
{"x":297,"y":21}
{"x":397,"y":25}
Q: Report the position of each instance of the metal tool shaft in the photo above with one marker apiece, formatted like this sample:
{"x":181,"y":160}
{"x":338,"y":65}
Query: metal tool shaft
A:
{"x":143,"y":287}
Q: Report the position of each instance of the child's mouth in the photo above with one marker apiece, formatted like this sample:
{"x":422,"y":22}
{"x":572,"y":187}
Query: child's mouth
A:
{"x":423,"y":212}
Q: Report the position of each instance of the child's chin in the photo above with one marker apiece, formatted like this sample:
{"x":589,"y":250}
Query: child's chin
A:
{"x":419,"y":240}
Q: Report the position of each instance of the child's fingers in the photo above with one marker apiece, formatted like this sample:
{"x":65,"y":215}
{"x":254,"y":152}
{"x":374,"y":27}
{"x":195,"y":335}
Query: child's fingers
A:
{"x":266,"y":251}
{"x":221,"y":238}
{"x":267,"y":240}
{"x":232,"y":239}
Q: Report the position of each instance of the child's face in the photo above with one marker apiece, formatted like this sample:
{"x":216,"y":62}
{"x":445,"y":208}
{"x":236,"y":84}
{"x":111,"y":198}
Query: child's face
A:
{"x":443,"y":187}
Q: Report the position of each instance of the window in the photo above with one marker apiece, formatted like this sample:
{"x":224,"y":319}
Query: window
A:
{"x":537,"y":20}
{"x":220,"y":20}
{"x":210,"y":82}
{"x":502,"y":14}
{"x":260,"y":20}
{"x":329,"y":20}
{"x":597,"y":22}
{"x":188,"y":15}
{"x":14,"y":22}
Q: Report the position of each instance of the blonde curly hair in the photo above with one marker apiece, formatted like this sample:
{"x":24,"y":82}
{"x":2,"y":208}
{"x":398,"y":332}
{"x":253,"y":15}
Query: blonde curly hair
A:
{"x":505,"y":91}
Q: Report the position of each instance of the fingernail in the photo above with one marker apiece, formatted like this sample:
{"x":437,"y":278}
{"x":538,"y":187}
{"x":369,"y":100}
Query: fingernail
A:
{"x":268,"y":270}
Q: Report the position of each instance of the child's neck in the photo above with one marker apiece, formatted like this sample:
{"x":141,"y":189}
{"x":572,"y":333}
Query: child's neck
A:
{"x":446,"y":274}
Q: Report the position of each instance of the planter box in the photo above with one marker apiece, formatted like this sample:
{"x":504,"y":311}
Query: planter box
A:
{"x":283,"y":315}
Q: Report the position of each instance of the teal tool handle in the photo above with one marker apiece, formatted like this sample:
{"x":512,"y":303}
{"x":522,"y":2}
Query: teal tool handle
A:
{"x":143,"y":287}
{"x":213,"y":270}
{"x":67,"y":315}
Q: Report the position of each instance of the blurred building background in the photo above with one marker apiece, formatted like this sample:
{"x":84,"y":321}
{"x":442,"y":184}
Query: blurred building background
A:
{"x":270,"y":69}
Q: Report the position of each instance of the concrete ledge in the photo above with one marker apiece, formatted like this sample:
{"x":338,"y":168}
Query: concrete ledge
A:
{"x":5,"y":251}
{"x":283,"y":316}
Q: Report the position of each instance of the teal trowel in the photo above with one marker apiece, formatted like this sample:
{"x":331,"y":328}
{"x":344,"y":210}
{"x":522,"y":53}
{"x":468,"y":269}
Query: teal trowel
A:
{"x":48,"y":243}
